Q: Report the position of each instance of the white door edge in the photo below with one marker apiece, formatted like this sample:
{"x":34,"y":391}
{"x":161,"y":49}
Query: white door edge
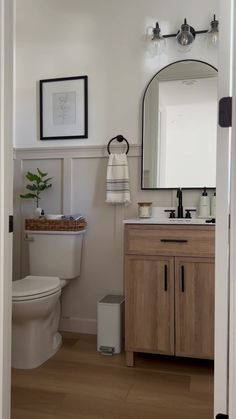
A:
{"x":221,"y":376}
{"x":232,"y":293}
{"x":6,"y":190}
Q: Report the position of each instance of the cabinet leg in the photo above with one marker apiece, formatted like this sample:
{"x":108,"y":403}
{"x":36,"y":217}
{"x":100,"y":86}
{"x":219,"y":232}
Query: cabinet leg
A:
{"x":129,"y":358}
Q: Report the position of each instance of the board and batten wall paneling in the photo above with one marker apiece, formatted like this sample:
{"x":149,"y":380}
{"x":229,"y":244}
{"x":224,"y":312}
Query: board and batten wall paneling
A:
{"x":79,"y":176}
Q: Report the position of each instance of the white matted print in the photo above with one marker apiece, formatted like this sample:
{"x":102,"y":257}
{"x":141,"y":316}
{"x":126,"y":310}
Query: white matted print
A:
{"x":64,"y":108}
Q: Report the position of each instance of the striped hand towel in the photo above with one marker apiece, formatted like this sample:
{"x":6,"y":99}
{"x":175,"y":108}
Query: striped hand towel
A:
{"x":118,"y":191}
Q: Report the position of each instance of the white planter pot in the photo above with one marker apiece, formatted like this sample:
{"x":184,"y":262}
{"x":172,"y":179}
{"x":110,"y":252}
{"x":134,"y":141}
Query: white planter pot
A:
{"x":37,"y":212}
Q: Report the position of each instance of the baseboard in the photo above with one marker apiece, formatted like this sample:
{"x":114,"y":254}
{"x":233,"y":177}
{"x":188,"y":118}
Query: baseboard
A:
{"x":74,"y":324}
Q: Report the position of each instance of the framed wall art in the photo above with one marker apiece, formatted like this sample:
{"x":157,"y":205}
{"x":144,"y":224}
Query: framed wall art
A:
{"x":64,"y":108}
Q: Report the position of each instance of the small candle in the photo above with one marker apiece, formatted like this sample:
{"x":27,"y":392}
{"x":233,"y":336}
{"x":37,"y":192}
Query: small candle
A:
{"x":144,"y":209}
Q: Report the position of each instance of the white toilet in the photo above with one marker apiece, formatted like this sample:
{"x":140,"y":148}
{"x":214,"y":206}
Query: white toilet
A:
{"x":54,"y":259}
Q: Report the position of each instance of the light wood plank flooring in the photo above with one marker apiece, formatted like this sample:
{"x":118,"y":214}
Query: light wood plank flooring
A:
{"x":80,"y":383}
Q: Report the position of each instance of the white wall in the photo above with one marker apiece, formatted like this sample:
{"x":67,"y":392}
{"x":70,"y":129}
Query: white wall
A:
{"x":104,"y":39}
{"x":6,"y":202}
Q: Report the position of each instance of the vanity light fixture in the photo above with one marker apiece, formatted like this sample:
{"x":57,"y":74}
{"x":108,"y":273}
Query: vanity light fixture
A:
{"x":185,"y":36}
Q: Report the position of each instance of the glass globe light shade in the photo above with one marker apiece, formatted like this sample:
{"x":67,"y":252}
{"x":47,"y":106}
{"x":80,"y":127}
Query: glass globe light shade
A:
{"x":213,"y":33}
{"x":158,"y":42}
{"x":185,"y":37}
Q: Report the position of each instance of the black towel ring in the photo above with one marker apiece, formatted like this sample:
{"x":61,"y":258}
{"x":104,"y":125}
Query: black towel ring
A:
{"x":119,"y":138}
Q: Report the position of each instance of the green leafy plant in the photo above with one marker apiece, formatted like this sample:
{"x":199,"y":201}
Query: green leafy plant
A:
{"x":38,"y":184}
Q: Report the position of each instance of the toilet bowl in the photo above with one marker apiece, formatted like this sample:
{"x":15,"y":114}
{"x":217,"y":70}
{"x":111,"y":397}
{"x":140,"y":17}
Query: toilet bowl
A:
{"x":54,"y":260}
{"x":36,"y":315}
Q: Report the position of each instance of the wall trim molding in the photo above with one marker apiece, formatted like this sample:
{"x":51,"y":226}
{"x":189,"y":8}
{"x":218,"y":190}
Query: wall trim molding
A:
{"x":93,"y":151}
{"x":77,"y":325}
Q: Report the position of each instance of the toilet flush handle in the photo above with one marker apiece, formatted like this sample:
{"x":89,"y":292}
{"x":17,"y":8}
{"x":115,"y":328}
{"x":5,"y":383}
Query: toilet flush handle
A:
{"x":28,"y":238}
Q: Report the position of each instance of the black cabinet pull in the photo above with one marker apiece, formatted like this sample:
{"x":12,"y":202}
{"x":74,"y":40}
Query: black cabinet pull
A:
{"x":173,"y":241}
{"x":165,"y":278}
{"x":182,"y":279}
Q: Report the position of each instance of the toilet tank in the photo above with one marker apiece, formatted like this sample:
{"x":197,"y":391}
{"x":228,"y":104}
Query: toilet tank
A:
{"x":55,"y":253}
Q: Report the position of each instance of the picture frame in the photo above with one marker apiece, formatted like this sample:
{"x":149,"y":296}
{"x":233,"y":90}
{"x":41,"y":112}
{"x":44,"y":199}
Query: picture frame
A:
{"x":64,"y":108}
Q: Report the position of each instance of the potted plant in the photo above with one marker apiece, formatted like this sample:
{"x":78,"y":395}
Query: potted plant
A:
{"x":39,"y":182}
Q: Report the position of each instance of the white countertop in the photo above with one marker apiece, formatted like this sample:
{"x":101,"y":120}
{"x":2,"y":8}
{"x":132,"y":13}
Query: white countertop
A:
{"x":160,"y":216}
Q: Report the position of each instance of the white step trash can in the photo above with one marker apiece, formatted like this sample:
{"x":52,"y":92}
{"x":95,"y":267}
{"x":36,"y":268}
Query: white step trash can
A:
{"x":110,"y":324}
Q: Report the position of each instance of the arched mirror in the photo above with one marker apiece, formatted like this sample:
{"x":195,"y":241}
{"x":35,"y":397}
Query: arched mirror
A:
{"x":180,"y":127}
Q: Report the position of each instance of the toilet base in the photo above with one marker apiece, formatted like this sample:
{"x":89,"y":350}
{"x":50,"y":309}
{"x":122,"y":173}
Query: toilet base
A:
{"x":35,"y":336}
{"x":27,"y":363}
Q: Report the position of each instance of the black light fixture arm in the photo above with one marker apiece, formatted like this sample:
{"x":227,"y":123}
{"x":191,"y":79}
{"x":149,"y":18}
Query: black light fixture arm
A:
{"x":173,"y":35}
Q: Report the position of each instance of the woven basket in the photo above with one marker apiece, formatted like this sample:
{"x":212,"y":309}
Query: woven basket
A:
{"x":54,"y":225}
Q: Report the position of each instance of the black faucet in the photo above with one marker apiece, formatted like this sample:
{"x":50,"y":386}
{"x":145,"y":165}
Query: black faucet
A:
{"x":180,"y":204}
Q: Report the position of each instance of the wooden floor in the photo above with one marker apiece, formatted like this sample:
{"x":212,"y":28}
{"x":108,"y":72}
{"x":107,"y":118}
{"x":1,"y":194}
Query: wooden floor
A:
{"x":80,"y":383}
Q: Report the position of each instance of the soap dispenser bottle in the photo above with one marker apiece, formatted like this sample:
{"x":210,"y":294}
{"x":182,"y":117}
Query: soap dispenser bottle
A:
{"x":213,"y":205}
{"x":204,"y":204}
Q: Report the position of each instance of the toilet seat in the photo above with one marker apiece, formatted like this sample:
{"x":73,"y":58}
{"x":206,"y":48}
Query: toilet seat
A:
{"x":34,"y":287}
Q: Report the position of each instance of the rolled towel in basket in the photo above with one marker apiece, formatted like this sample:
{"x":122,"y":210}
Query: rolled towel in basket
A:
{"x":117,"y":185}
{"x":75,"y":217}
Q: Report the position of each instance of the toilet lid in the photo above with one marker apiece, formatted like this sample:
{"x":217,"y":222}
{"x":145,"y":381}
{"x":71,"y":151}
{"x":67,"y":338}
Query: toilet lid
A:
{"x":35,"y":286}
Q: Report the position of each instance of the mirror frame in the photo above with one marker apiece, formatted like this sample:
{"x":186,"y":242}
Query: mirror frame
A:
{"x":143,"y":100}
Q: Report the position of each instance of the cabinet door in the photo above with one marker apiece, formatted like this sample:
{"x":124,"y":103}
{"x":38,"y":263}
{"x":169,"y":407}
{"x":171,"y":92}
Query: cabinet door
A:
{"x":194,"y":318}
{"x":149,"y":285}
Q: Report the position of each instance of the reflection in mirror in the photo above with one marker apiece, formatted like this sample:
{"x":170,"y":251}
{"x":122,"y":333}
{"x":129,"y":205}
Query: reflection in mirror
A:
{"x":180,"y":127}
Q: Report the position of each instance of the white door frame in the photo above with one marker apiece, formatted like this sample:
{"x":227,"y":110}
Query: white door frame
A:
{"x":222,"y":217}
{"x":6,"y":191}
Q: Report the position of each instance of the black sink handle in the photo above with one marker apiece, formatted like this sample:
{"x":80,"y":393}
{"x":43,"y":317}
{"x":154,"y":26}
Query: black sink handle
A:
{"x":188,"y":212}
{"x":172,"y":213}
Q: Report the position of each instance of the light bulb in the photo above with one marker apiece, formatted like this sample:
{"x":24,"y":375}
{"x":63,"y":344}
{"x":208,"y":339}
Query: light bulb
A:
{"x":213,"y":33}
{"x":157,"y":42}
{"x":185,"y":37}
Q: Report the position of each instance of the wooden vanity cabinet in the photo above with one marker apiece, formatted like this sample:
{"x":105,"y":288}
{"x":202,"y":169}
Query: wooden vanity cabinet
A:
{"x":169,"y":289}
